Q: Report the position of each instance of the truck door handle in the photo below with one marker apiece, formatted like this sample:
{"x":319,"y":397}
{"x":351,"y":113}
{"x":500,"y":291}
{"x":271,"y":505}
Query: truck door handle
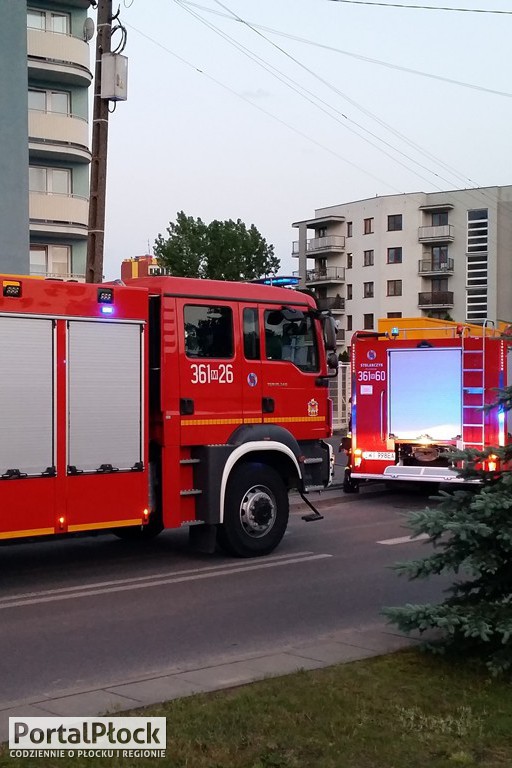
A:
{"x":186,"y":406}
{"x":267,"y":404}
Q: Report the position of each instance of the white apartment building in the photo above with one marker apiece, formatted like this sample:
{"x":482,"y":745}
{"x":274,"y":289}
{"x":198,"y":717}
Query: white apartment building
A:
{"x":44,"y":126}
{"x":439,"y":254}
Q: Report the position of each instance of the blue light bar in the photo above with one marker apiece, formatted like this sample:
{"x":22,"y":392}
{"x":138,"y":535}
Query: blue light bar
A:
{"x":107,"y":309}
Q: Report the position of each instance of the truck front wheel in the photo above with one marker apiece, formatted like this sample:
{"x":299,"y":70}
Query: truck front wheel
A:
{"x":256,"y":511}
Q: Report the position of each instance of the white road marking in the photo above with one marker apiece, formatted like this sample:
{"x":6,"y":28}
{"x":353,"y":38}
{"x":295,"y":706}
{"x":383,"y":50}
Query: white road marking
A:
{"x":405,"y":539}
{"x":154,"y":580}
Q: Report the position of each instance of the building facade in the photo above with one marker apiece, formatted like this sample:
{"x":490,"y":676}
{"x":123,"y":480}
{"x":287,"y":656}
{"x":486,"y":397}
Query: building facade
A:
{"x":50,"y":174}
{"x":441,"y":254}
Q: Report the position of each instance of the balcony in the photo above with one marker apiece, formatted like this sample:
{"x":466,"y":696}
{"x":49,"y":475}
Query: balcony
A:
{"x":443,"y":234}
{"x":56,"y":136}
{"x":436,"y":299}
{"x":435,"y":267}
{"x":58,"y":214}
{"x":327,"y":275}
{"x":332,"y":304}
{"x":53,"y":56}
{"x":315,"y":245}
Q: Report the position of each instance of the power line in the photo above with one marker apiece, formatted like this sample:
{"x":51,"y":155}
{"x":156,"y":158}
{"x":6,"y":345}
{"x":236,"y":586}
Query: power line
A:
{"x":265,"y":111}
{"x":422,"y":7}
{"x":316,"y":101}
{"x":353,"y":55}
{"x":411,"y":143}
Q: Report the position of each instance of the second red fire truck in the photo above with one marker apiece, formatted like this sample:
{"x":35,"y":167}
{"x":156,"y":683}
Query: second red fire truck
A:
{"x":164,"y":403}
{"x":417,"y":400}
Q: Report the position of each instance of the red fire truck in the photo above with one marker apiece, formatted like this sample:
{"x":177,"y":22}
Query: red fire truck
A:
{"x":165,"y":402}
{"x":416,"y":400}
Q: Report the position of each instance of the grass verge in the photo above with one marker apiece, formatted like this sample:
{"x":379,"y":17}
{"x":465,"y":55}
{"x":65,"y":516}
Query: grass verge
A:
{"x":406,"y":710}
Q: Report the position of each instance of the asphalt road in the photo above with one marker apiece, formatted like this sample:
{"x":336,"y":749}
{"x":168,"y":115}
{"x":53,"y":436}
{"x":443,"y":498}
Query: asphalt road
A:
{"x":96,"y":611}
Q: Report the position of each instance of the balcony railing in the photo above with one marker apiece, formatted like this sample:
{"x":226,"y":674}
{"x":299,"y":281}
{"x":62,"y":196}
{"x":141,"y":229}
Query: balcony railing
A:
{"x":432,"y":266}
{"x":59,"y":134}
{"x":67,"y":55}
{"x":331,"y":303}
{"x":442,"y":234}
{"x":326,"y":275}
{"x":436,"y":299}
{"x":332,"y":243}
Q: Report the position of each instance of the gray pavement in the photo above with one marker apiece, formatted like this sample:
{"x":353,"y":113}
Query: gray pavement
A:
{"x":336,"y":648}
{"x":343,"y":646}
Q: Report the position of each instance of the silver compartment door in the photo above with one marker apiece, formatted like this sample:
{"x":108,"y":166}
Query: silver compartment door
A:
{"x":26,"y":395}
{"x":105,"y":395}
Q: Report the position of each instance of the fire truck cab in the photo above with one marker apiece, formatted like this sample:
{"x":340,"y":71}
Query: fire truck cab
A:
{"x":165,"y":402}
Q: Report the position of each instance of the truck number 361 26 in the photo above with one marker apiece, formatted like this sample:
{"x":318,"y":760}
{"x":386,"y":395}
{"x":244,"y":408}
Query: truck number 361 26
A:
{"x":204,"y":373}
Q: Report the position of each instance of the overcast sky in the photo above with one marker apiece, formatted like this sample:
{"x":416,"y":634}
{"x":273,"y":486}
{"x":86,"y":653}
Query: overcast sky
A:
{"x":219,"y":133}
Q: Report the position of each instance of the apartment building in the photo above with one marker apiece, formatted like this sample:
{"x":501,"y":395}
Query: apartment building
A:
{"x":47,"y":158}
{"x":439,"y":254}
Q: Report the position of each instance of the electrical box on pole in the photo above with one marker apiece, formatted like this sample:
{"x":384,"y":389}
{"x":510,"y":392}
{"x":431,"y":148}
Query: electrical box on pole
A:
{"x":114,"y":77}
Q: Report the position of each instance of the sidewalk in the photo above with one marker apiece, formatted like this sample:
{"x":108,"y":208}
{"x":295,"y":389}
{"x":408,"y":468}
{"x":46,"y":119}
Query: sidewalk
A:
{"x":336,"y":648}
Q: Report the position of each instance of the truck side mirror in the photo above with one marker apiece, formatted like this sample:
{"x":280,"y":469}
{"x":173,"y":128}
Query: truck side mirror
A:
{"x":329,"y":328}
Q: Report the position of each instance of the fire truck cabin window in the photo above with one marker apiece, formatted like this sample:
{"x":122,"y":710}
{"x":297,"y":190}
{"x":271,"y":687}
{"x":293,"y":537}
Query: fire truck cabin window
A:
{"x":208,"y":331}
{"x":251,"y":334}
{"x":291,"y":340}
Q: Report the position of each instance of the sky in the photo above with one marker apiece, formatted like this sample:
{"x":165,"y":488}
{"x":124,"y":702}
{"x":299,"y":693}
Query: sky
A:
{"x":230,"y":115}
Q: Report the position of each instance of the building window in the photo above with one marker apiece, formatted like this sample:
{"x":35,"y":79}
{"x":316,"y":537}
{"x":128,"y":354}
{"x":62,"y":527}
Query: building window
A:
{"x":439,"y":284}
{"x":50,"y":260}
{"x":439,"y":218}
{"x":48,"y":21}
{"x":394,"y":255}
{"x":56,"y":181}
{"x":478,"y":230}
{"x":349,"y":290}
{"x":349,"y":229}
{"x":368,"y":259}
{"x":321,"y":232}
{"x":49,"y":101}
{"x":368,"y":322}
{"x":439,"y":256}
{"x":368,"y":290}
{"x":395,"y":222}
{"x":368,"y":226}
{"x":394,"y":288}
{"x":349,"y":261}
{"x":394,"y":315}
{"x":349,"y":322}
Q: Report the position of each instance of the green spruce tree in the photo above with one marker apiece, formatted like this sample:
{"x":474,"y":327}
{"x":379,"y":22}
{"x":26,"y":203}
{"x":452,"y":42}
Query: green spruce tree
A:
{"x":471,"y":534}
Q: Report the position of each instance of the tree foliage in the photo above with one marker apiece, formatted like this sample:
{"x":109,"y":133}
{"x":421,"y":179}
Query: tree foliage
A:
{"x":471,"y":534}
{"x":221,"y":250}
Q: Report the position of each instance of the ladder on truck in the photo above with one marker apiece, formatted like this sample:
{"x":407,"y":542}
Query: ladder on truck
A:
{"x":473,"y":390}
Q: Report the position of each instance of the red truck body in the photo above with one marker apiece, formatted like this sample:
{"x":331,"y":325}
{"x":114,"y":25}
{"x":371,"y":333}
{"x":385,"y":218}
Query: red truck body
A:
{"x":144,"y":406}
{"x":415,"y":400}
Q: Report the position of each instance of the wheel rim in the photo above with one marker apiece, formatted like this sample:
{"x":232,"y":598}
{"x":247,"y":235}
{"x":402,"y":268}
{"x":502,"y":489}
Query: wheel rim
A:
{"x":258,"y":511}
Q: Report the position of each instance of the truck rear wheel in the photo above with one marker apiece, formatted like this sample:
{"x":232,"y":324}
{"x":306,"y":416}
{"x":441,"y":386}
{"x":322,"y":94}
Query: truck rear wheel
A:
{"x":256,"y":511}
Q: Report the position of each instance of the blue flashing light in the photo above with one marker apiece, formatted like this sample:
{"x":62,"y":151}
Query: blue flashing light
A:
{"x":107,"y":309}
{"x":395,"y":332}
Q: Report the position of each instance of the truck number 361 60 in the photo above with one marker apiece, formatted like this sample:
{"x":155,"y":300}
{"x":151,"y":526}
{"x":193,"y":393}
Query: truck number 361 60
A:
{"x":204,"y":373}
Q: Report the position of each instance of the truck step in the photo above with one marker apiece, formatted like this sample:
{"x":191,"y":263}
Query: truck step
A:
{"x":190,"y":461}
{"x":191,"y":492}
{"x":313,"y":460}
{"x":310,"y":488}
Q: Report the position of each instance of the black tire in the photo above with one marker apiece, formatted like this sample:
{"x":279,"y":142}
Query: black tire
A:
{"x":140,"y":532}
{"x":349,"y":485}
{"x":256,"y":511}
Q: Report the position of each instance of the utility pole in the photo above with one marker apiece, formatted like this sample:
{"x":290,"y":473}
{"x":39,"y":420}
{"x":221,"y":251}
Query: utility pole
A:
{"x":97,"y":195}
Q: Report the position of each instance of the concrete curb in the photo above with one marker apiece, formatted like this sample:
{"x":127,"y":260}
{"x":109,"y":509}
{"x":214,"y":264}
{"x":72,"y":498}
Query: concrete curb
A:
{"x":337,"y":648}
